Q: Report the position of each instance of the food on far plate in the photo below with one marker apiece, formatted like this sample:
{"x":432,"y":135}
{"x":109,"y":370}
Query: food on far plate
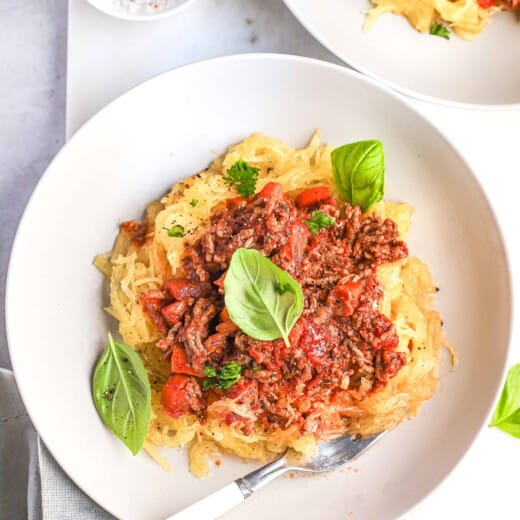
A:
{"x":273,"y":303}
{"x":466,"y":18}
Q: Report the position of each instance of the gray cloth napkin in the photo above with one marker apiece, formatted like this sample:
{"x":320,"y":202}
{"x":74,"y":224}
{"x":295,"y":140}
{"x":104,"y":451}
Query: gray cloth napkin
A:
{"x":32,"y":485}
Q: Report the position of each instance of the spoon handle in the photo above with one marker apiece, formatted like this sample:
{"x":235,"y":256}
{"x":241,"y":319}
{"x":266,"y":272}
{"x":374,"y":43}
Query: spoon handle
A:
{"x":262,"y":476}
{"x":224,"y":499}
{"x":213,"y":505}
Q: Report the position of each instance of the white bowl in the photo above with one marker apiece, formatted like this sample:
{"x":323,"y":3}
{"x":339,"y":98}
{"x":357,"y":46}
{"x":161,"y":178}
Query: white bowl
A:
{"x":151,"y":11}
{"x":483,"y":73}
{"x":172,"y":126}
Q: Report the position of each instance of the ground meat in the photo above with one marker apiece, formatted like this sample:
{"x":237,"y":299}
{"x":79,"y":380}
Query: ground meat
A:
{"x":264,"y":223}
{"x":376,"y":243}
{"x":135,"y":230}
{"x":341,"y":348}
{"x":195,"y":330}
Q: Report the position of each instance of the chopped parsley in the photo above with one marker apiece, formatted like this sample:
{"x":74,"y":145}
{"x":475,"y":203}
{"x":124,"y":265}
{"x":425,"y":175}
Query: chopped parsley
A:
{"x":243,"y":177}
{"x":438,"y":29}
{"x":175,"y":231}
{"x":222,"y":378}
{"x":318,"y":221}
{"x":194,"y":202}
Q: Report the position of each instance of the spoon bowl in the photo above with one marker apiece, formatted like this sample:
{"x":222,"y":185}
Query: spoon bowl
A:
{"x":333,"y":454}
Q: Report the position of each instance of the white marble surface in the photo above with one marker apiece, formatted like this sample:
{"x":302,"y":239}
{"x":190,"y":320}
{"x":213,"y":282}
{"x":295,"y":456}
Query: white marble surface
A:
{"x":32,"y":111}
{"x":107,"y":56}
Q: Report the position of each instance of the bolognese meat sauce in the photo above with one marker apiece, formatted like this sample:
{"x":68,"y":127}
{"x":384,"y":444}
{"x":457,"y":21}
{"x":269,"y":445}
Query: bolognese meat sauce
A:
{"x":341,"y":348}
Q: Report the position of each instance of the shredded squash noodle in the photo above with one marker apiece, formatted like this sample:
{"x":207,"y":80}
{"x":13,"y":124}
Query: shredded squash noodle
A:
{"x":408,"y":292}
{"x":467,"y":18}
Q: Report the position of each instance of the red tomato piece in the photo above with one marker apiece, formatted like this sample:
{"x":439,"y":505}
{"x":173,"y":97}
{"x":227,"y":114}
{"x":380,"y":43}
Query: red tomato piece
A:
{"x":184,"y":290}
{"x":314,"y":342}
{"x":312,"y":196}
{"x":271,"y":189}
{"x":176,"y":396}
{"x":245,"y":391}
{"x":174,"y":312}
{"x":180,"y":365}
{"x":345,"y":298}
{"x":234,"y":201}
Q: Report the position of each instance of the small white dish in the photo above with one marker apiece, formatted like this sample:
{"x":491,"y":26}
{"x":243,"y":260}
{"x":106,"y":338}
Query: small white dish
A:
{"x":173,"y":126}
{"x":482,"y":73}
{"x":140,"y":10}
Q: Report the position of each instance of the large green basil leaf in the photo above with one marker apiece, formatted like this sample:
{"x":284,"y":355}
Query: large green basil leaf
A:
{"x":507,"y":412}
{"x":359,"y":172}
{"x":263,"y":300}
{"x":122,"y":395}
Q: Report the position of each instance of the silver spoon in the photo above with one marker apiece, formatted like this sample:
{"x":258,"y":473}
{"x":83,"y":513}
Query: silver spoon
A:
{"x":330,"y":455}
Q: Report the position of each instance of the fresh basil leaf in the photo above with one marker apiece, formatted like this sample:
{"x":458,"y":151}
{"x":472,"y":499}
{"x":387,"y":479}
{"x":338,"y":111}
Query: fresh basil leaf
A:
{"x":319,"y":221}
{"x":507,"y":412}
{"x":438,"y":29}
{"x":122,"y":394}
{"x":359,"y":172}
{"x":253,"y":300}
{"x":511,"y":425}
{"x":194,"y":202}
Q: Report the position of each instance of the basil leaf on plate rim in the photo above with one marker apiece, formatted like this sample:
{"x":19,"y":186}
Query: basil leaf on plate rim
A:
{"x":254,"y":300}
{"x":438,"y":29}
{"x":122,"y":394}
{"x":507,"y":411}
{"x":359,"y":172}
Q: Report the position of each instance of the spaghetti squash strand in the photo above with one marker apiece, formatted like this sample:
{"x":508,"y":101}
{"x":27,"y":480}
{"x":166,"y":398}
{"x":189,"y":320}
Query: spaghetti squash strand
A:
{"x":407,"y":300}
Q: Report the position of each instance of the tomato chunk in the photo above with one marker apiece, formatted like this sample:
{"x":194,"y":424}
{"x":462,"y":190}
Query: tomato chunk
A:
{"x":180,"y":365}
{"x":344,"y":298}
{"x":312,"y":196}
{"x":224,"y":315}
{"x":234,"y":201}
{"x":245,"y":391}
{"x":174,"y":312}
{"x":184,"y":290}
{"x":271,"y":189}
{"x":179,"y":396}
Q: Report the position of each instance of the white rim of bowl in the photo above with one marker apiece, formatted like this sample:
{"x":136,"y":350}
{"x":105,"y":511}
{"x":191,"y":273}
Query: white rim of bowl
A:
{"x":105,"y":6}
{"x":308,"y":26}
{"x":267,"y":57}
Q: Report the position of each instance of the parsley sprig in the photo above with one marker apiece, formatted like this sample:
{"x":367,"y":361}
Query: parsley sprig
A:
{"x":438,"y":29}
{"x":222,"y":378}
{"x":318,"y":221}
{"x":175,"y":231}
{"x":243,"y":177}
